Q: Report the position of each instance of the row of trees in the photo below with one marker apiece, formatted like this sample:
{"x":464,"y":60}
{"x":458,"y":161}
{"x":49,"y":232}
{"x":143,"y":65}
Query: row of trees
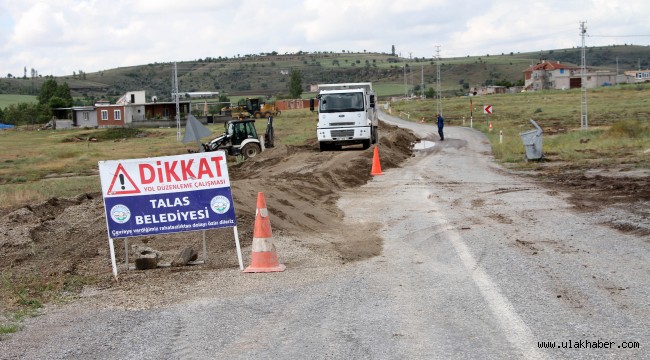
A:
{"x":51,"y":96}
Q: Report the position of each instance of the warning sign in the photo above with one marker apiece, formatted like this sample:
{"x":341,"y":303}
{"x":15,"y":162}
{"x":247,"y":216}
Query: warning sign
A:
{"x":487,"y":109}
{"x":166,"y":194}
{"x":125,"y":185}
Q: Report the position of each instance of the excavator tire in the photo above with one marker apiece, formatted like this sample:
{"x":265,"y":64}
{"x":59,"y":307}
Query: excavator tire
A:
{"x":251,"y":150}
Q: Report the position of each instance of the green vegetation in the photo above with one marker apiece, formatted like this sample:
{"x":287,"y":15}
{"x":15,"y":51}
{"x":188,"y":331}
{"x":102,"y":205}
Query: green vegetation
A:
{"x":269,"y":74}
{"x":29,"y":292}
{"x":11,"y":99}
{"x":295,"y":84}
{"x":51,"y":96}
{"x":619,"y":127}
{"x":36,"y":165}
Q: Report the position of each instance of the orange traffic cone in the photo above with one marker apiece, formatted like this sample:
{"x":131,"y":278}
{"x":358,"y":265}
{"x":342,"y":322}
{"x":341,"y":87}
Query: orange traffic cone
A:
{"x":490,"y":125}
{"x":376,"y":167}
{"x":265,"y":258}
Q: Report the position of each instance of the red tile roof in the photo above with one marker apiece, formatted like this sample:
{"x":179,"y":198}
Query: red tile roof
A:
{"x":548,"y":66}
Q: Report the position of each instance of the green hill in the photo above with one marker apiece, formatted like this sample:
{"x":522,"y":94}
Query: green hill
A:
{"x":268,"y":74}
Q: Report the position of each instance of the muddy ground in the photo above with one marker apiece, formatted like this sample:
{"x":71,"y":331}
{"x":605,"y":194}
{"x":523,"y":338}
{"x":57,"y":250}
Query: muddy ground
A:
{"x":64,"y":243}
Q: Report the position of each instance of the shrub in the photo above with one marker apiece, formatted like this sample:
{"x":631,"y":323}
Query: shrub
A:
{"x":628,"y":129}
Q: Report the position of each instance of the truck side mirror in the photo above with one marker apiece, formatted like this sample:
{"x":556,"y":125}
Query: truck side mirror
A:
{"x":311,"y":104}
{"x":372,"y":101}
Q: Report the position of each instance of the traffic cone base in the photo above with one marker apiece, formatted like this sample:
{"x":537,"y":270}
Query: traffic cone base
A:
{"x":376,"y":166}
{"x":266,"y":261}
{"x":264,"y":257}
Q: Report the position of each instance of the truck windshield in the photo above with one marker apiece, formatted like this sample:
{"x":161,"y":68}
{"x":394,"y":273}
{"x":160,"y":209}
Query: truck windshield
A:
{"x":341,"y":102}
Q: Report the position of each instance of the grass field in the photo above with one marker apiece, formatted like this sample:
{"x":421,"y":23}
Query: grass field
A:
{"x":618,"y":132}
{"x":35,"y":165}
{"x":8,"y":99}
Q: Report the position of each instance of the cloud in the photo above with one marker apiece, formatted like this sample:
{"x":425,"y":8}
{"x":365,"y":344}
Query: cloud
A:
{"x":58,"y":37}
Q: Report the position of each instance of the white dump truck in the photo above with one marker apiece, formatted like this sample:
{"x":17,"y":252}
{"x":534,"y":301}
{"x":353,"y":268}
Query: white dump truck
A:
{"x":346,"y":115}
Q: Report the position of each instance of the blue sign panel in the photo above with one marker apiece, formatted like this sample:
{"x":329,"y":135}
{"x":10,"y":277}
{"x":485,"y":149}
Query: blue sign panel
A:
{"x":167,"y":194}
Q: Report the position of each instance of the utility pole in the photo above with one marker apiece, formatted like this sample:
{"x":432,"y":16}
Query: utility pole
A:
{"x":584,"y":114}
{"x":406,"y":92}
{"x":178,"y":107}
{"x":422,"y":81}
{"x":438,"y":89}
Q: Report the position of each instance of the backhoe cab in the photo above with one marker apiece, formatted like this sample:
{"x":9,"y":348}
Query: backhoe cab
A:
{"x":240,"y":138}
{"x":252,"y":107}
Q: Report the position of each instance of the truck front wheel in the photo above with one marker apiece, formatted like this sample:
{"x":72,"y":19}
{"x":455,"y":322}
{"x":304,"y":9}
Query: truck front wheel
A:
{"x":366,"y":144}
{"x":325,"y":146}
{"x":250,"y":150}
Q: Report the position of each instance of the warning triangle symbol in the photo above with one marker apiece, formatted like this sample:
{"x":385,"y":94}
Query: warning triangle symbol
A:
{"x":122,"y":184}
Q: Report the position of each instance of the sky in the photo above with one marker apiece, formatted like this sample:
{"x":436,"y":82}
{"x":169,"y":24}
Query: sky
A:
{"x":59,"y":37}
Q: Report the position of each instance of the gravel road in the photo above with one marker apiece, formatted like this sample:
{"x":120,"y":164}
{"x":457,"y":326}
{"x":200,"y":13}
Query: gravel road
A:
{"x":477,"y":263}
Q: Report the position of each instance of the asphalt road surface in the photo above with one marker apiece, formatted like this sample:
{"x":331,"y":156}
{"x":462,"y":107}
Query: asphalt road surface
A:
{"x":478,"y":263}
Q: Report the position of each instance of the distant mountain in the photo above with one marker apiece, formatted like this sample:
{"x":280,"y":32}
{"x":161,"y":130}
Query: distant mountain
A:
{"x":268,"y":74}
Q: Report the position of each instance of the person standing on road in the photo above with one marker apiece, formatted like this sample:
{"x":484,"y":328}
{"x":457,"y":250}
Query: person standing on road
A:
{"x":441,"y":124}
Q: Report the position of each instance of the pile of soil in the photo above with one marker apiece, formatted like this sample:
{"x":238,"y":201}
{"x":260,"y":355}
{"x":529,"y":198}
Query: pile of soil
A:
{"x":64,"y":242}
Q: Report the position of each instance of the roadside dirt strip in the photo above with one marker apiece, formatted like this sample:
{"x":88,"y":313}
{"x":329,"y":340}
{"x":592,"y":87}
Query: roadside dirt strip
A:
{"x":465,"y":260}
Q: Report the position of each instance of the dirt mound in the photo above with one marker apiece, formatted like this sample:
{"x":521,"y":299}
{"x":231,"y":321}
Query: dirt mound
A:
{"x":62,"y":244}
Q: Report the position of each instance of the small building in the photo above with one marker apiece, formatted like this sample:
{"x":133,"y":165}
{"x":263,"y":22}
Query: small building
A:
{"x":109,"y":115}
{"x":552,"y":75}
{"x":488,"y":90}
{"x":637,"y":76}
{"x":129,"y":110}
{"x":84,"y":116}
{"x":548,"y":75}
{"x":289,"y":104}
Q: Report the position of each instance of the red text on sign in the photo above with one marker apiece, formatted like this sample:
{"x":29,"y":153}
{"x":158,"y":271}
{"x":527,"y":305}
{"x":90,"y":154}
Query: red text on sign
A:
{"x":181,"y":170}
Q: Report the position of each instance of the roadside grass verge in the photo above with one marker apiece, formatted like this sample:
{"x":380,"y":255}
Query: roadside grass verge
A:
{"x":25,"y":295}
{"x":618,"y":133}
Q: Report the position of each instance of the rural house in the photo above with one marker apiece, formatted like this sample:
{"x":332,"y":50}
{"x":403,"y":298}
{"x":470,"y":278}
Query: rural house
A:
{"x":549,"y":75}
{"x":552,"y":75}
{"x":131,"y":109}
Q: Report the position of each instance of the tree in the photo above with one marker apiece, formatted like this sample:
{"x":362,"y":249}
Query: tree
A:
{"x":63,"y":91}
{"x":47,"y":90}
{"x":295,"y":84}
{"x":392,"y":52}
{"x":23,"y":114}
{"x":57,"y":102}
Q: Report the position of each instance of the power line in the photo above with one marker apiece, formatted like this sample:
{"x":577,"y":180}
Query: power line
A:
{"x":617,"y":36}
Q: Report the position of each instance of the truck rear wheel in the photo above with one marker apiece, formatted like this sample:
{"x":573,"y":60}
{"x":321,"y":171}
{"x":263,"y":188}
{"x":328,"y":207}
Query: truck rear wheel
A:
{"x":250,"y":150}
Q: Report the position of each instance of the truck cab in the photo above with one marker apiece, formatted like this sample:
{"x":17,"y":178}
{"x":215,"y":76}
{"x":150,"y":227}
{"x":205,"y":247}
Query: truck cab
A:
{"x":346,"y":116}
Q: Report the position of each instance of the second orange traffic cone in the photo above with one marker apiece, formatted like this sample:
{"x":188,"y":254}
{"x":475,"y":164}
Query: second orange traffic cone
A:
{"x":376,"y":166}
{"x":265,"y":257}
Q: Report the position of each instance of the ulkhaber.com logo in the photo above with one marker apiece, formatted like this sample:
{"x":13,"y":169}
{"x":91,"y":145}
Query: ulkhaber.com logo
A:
{"x":220,"y":204}
{"x":120,"y":214}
